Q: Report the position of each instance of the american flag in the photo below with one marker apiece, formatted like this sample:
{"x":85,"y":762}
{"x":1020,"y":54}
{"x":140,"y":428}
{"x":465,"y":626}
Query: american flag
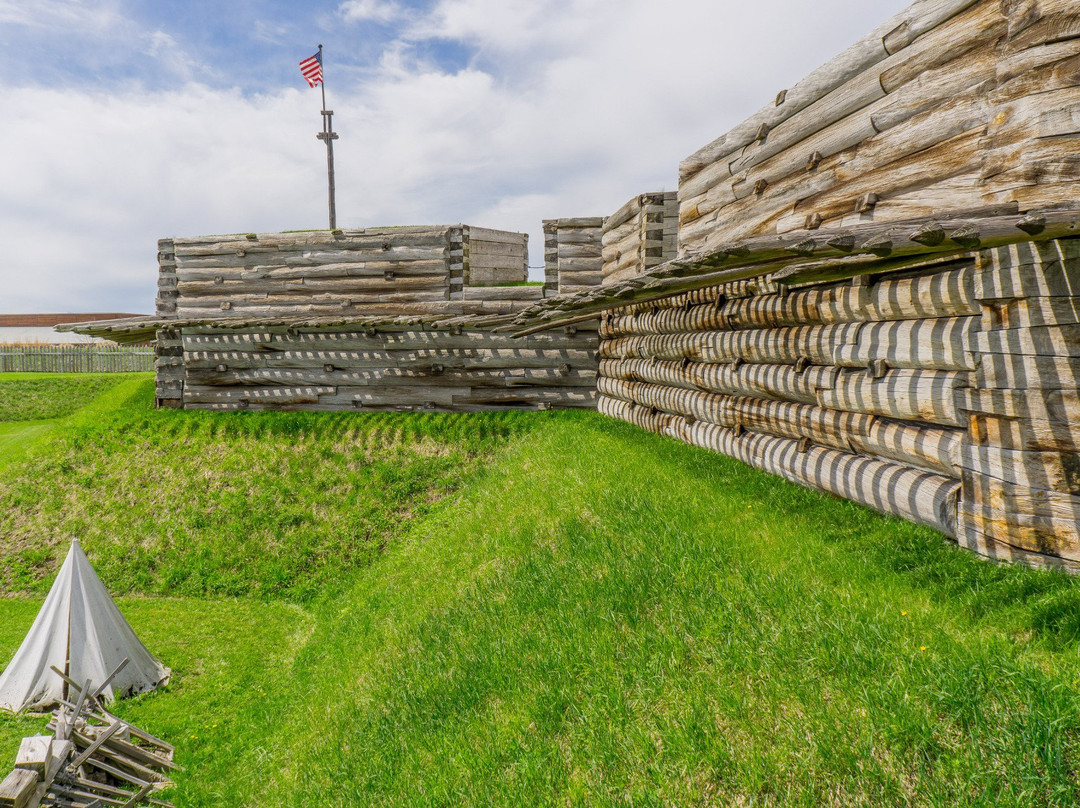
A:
{"x":311,"y":67}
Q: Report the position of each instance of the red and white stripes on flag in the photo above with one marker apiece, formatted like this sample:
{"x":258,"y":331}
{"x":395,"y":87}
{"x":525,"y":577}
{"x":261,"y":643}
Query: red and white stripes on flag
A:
{"x":311,"y":67}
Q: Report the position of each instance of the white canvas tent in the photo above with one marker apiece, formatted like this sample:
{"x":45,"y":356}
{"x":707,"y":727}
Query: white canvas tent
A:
{"x":80,"y":631}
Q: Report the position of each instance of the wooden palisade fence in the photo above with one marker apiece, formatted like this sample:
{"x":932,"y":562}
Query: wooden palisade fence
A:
{"x":79,"y":358}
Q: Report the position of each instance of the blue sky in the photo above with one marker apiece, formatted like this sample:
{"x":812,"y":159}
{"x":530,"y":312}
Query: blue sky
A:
{"x":122,"y":122}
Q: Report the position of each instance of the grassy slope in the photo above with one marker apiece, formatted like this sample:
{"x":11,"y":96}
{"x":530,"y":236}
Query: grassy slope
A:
{"x":607,"y":617}
{"x":196,"y":503}
{"x":37,"y":396}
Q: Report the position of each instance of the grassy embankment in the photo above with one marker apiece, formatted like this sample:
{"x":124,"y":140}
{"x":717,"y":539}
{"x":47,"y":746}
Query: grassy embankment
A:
{"x":595,"y":616}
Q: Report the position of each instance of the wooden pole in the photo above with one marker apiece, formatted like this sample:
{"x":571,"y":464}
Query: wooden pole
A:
{"x":329,"y":135}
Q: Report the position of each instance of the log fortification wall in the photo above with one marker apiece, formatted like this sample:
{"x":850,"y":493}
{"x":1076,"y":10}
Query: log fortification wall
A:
{"x":397,"y":318}
{"x":877,"y":292}
{"x":943,"y":394}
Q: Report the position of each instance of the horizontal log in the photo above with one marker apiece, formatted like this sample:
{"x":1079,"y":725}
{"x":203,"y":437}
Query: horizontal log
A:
{"x":982,"y":494}
{"x":479,"y":358}
{"x":781,"y":418}
{"x":223,"y":288}
{"x":1029,"y":312}
{"x":905,"y":395}
{"x":816,"y":344}
{"x":485,"y":236}
{"x":947,"y":293}
{"x":917,"y":496}
{"x":383,"y":338}
{"x":422,"y":374}
{"x":936,"y":449}
{"x":937,"y":344}
{"x":300,"y":242}
{"x":701,"y":317}
{"x":420,"y":260}
{"x":1031,"y":269}
{"x":782,"y":382}
{"x":1045,"y":341}
{"x":835,"y":304}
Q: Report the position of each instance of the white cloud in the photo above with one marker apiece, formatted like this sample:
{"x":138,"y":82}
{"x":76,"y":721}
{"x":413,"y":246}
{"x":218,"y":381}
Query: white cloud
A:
{"x":571,"y":108}
{"x":370,"y":11}
{"x":64,"y":13}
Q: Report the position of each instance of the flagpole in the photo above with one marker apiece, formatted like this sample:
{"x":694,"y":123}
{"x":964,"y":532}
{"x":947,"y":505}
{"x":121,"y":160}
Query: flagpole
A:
{"x":329,"y":135}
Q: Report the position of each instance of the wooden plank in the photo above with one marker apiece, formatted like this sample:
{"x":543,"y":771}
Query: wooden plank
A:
{"x":1025,"y":372}
{"x":970,"y":537}
{"x":1055,"y":406}
{"x":1050,"y":471}
{"x":1025,"y":434}
{"x":1042,"y":341}
{"x":34,"y":753}
{"x":18,"y":789}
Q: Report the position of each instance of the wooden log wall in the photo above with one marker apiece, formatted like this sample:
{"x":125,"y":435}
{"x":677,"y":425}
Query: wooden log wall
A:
{"x":573,"y":254}
{"x":402,"y":367}
{"x":493,"y":257}
{"x":1021,"y":463}
{"x":641,"y":234}
{"x":394,"y":270}
{"x":950,"y":105}
{"x":283,"y":320}
{"x":947,"y":395}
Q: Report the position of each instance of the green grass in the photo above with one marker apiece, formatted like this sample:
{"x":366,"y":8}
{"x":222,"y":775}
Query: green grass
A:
{"x":41,"y":396}
{"x":592,"y":615}
{"x":197,"y":503}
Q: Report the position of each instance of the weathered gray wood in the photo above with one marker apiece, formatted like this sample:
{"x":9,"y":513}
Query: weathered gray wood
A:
{"x":1055,"y":406}
{"x":941,"y":344}
{"x":34,"y":754}
{"x":1025,"y":434}
{"x":888,"y":487}
{"x":1051,"y":471}
{"x":971,"y":536}
{"x":18,"y":789}
{"x":948,"y":293}
{"x":907,"y":395}
{"x":784,"y":382}
{"x":933,"y":448}
{"x":815,"y":343}
{"x":1043,"y":341}
{"x":1025,"y":372}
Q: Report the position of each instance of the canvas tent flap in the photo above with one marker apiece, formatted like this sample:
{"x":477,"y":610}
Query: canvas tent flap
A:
{"x":79,"y":629}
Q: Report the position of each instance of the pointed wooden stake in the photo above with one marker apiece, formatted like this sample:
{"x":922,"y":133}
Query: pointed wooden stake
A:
{"x":967,"y":237}
{"x":930,"y":234}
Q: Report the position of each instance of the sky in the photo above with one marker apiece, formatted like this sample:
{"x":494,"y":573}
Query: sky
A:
{"x":126,"y":121}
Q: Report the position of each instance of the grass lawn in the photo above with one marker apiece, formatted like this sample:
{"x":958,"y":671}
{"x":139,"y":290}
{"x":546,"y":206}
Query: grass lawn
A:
{"x":36,"y":396}
{"x":582,"y":614}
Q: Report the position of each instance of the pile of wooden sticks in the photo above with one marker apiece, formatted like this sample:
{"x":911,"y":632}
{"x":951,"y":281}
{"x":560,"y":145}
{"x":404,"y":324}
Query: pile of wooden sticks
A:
{"x":92,"y":759}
